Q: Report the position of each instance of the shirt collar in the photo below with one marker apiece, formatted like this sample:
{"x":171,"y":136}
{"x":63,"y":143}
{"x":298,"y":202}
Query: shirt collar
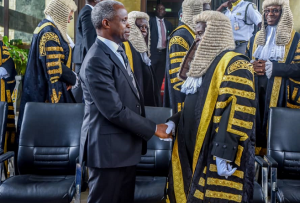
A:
{"x":90,"y":6}
{"x":235,"y":4}
{"x":112,"y":45}
{"x":158,"y":19}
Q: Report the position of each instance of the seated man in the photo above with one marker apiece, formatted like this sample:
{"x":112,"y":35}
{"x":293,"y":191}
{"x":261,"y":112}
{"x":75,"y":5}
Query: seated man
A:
{"x":216,"y":125}
{"x":138,"y":52}
{"x":7,"y":85}
{"x":48,"y":75}
{"x":275,"y":45}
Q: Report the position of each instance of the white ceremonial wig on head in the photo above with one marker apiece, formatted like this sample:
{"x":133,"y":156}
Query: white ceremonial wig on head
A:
{"x":136,"y":38}
{"x":284,"y":27}
{"x":217,"y":38}
{"x":191,"y":8}
{"x":59,"y":11}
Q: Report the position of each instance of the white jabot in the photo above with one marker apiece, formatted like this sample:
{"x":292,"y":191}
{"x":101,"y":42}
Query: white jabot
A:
{"x":146,"y":59}
{"x":270,"y":51}
{"x":191,"y":85}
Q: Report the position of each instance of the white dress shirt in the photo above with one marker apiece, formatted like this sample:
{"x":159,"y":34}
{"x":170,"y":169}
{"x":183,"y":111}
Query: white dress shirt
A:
{"x":113,"y":47}
{"x":159,"y":43}
{"x":237,"y":16}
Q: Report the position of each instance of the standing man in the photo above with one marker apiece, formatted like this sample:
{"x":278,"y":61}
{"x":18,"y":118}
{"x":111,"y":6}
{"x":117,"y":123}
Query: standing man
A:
{"x":181,"y":39}
{"x":114,"y":131}
{"x":48,"y":76}
{"x":243,"y":16}
{"x":272,"y":49}
{"x":85,"y":38}
{"x":213,"y":154}
{"x":160,"y":29}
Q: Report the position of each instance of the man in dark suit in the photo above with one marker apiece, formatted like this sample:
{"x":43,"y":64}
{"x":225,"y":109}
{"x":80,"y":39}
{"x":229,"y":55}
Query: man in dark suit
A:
{"x":160,"y":29}
{"x":85,"y":38}
{"x":114,"y":131}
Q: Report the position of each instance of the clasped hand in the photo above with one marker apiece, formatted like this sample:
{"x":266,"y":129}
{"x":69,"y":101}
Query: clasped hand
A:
{"x":163,"y":131}
{"x":259,"y":67}
{"x":224,"y":168}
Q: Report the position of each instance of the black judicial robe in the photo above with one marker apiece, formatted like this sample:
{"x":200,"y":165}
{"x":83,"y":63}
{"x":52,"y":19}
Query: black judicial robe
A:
{"x":7,"y":86}
{"x":48,"y":70}
{"x":180,"y":41}
{"x":144,"y":76}
{"x":281,"y":90}
{"x":218,"y":121}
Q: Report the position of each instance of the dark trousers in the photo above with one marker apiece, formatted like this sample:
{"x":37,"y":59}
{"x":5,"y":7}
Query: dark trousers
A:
{"x":158,"y":62}
{"x":78,"y":93}
{"x":112,"y":185}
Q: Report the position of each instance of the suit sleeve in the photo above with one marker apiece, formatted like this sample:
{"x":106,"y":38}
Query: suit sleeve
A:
{"x":100,"y":82}
{"x":88,"y":30}
{"x":237,"y":108}
{"x":56,"y":72}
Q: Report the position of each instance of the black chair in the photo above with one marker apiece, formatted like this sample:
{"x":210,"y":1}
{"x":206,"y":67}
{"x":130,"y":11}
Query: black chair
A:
{"x":3,"y":121}
{"x":260,"y":193}
{"x":48,"y":150}
{"x":284,"y":154}
{"x":152,"y":171}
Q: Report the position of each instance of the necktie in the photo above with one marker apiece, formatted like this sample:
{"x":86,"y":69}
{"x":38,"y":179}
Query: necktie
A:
{"x":163,"y":34}
{"x":127,"y":67}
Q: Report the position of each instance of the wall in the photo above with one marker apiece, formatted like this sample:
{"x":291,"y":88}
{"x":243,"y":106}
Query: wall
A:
{"x":295,"y":6}
{"x":132,"y":5}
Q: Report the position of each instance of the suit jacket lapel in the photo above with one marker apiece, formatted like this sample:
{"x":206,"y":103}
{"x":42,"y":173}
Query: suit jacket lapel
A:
{"x":118,"y":63}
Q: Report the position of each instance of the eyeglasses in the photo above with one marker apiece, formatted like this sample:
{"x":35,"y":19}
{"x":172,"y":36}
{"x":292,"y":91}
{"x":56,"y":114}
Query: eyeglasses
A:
{"x":142,"y":27}
{"x":274,"y":11}
{"x":71,"y":18}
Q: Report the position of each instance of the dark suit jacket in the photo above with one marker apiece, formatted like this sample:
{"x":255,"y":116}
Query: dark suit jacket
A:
{"x":85,"y":34}
{"x":154,"y":33}
{"x":114,"y":127}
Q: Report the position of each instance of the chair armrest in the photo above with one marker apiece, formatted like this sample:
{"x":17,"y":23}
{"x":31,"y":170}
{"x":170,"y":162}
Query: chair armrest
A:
{"x":273,"y":165}
{"x":1,"y":151}
{"x":271,"y":162}
{"x":6,"y":156}
{"x":261,"y":161}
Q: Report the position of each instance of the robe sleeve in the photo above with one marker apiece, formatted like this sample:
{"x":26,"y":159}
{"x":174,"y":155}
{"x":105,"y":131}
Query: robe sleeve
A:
{"x":178,"y":48}
{"x":237,"y":108}
{"x":52,"y":58}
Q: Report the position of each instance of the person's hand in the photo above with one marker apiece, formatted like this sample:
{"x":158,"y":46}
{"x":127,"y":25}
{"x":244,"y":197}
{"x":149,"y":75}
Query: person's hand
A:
{"x":3,"y":73}
{"x":259,"y":67}
{"x":224,"y":168}
{"x":69,"y":87}
{"x":227,"y":4}
{"x":161,"y":131}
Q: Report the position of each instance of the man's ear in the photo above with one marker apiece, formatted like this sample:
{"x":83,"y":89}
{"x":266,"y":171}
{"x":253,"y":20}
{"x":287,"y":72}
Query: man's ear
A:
{"x":105,"y":23}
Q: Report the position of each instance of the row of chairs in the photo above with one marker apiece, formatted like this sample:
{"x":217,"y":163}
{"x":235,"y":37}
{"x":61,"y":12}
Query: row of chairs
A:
{"x":48,"y":155}
{"x":49,"y":148}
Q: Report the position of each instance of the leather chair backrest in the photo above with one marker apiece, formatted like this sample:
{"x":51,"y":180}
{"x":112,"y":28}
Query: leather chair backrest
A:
{"x":50,"y":138}
{"x":156,"y":161}
{"x":284,"y":140}
{"x":3,"y":121}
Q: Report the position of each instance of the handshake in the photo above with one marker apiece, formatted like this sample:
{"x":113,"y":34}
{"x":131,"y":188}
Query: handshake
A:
{"x":165,"y":131}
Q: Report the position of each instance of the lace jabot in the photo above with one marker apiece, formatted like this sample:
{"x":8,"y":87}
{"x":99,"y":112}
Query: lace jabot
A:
{"x":191,"y":85}
{"x":270,"y":51}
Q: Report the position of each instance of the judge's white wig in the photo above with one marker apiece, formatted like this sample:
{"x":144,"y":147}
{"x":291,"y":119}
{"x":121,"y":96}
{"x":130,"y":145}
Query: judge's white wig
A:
{"x":136,"y":38}
{"x":59,"y":11}
{"x":191,"y":8}
{"x":218,"y":37}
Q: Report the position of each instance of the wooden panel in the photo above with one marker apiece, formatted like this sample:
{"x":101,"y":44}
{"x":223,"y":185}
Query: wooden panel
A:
{"x":132,"y":5}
